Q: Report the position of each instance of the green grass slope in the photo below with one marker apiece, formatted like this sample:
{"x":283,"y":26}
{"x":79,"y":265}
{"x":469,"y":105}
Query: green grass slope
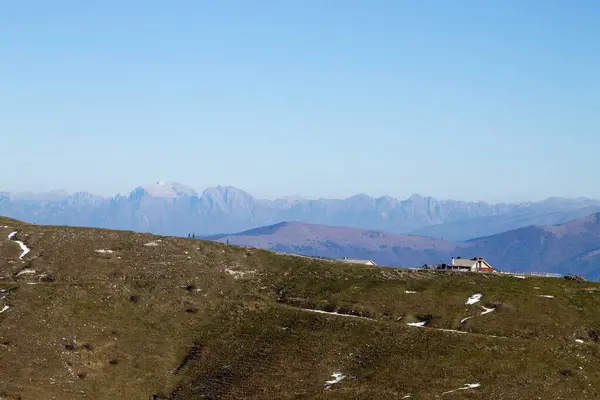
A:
{"x":172,"y":318}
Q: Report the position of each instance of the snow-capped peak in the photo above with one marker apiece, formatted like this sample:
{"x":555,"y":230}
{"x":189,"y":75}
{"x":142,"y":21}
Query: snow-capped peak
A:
{"x":168,"y":189}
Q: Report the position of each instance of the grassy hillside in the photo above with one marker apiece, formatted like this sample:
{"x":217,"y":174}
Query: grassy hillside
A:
{"x":172,"y":318}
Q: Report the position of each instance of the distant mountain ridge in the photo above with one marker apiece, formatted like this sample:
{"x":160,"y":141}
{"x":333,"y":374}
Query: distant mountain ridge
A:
{"x":174,"y":209}
{"x":572,"y":247}
{"x":338,"y":242}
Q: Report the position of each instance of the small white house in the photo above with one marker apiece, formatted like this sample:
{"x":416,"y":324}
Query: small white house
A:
{"x":475,"y":264}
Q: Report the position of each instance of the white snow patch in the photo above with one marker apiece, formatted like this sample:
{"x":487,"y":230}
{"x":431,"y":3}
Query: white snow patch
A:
{"x":520,"y":276}
{"x":335,"y":313}
{"x":547,"y":296}
{"x":487,"y":310}
{"x":579,"y":340}
{"x":465,"y":319}
{"x":26,"y":271}
{"x":104,"y":251}
{"x":337,"y":378}
{"x":168,"y":189}
{"x":450,"y":330}
{"x":466,"y":387}
{"x":24,"y":249}
{"x":408,"y":396}
{"x":33,"y":283}
{"x":4,"y":309}
{"x":237,"y":274}
{"x":410,"y":292}
{"x":151,"y":244}
{"x":474,"y":299}
{"x":536,"y":287}
{"x":419,"y":324}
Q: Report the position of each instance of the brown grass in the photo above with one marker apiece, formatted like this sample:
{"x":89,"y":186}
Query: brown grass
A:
{"x":189,"y":319}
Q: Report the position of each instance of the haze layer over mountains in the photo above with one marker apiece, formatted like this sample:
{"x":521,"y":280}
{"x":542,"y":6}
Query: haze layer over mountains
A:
{"x":410,"y":232}
{"x":175,"y":209}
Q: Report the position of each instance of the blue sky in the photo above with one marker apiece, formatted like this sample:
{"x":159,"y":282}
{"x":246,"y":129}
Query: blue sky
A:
{"x":470,"y":100}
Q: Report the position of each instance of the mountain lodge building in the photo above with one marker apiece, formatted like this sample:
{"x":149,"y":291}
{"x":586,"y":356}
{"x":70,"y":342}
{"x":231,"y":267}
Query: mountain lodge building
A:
{"x":475,"y":264}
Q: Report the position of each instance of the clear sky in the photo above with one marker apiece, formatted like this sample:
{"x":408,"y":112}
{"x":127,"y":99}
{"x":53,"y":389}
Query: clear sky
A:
{"x":470,"y":100}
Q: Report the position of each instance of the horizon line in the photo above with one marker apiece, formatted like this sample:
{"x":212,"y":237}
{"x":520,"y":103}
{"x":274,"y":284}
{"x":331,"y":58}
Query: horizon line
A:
{"x":199,"y":193}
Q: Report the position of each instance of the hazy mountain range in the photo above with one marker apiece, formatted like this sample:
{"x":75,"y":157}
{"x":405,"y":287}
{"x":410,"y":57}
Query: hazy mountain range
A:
{"x":572,"y":247}
{"x":174,"y":209}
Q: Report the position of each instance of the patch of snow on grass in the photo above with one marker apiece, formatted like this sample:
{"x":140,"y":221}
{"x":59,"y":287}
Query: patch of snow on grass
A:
{"x":450,"y":330}
{"x":579,"y":340}
{"x":335,"y":313}
{"x":487,"y":310}
{"x":151,"y":244}
{"x":419,"y":324}
{"x":465,"y":319}
{"x":471,"y":385}
{"x":104,"y":251}
{"x":24,"y":249}
{"x":474,"y":299}
{"x":547,"y":296}
{"x":520,"y":276}
{"x":237,"y":274}
{"x":26,"y":271}
{"x":337,"y":378}
{"x":3,"y":309}
{"x":466,"y":387}
{"x":410,"y":292}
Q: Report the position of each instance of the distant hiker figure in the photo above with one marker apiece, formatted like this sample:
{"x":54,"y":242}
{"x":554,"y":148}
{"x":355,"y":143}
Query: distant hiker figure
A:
{"x":189,"y":235}
{"x":193,"y":236}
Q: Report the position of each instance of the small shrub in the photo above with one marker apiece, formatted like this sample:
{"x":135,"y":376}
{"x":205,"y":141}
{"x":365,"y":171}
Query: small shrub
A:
{"x":134,"y":299}
{"x":329,"y":307}
{"x":88,"y":347}
{"x":114,"y":361}
{"x":566,"y":372}
{"x":190,"y":288}
{"x":192,"y":310}
{"x":82,"y":375}
{"x":71,"y":346}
